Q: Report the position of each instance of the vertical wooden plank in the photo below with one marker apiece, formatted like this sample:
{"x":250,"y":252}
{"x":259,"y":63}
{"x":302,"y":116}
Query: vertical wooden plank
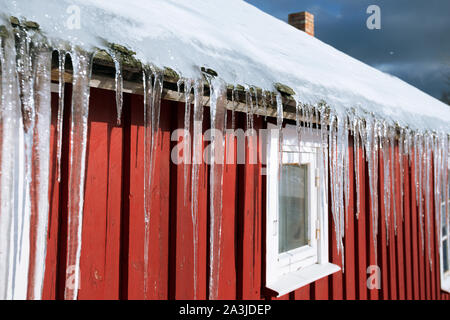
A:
{"x":421,"y":254}
{"x":336,"y":279}
{"x":415,"y":234}
{"x":319,"y":289}
{"x":407,"y":238}
{"x":392,"y":255}
{"x":436,"y":243}
{"x":249,"y":238}
{"x":177,"y":203}
{"x":373,"y":253}
{"x":427,"y":227}
{"x":382,"y":239}
{"x":203,"y":240}
{"x":135,"y":202}
{"x":188,"y":284}
{"x":399,"y":237}
{"x":63,"y":198}
{"x":227,"y":278}
{"x":159,"y":211}
{"x":431,"y":238}
{"x":303,"y":293}
{"x":349,"y":241}
{"x":362,"y":241}
{"x":422,"y":260}
{"x":101,"y":222}
{"x":50,"y":278}
{"x":126,"y":199}
{"x":159,"y":208}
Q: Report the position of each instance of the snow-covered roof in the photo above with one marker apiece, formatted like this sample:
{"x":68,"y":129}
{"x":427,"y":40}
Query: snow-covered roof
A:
{"x":242,"y":44}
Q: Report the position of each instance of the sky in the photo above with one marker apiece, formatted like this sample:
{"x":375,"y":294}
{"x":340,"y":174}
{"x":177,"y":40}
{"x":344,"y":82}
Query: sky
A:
{"x":412,"y":44}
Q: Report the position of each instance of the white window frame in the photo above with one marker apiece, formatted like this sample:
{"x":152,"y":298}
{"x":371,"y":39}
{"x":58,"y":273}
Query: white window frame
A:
{"x":288,"y":271}
{"x":445,"y":277}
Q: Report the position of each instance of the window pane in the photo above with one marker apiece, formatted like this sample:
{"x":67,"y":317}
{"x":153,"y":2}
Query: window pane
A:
{"x":293,"y":206}
{"x":445,"y":255}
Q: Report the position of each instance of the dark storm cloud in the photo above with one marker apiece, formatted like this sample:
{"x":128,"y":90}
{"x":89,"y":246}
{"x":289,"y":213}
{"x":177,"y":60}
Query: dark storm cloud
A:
{"x":413,"y":43}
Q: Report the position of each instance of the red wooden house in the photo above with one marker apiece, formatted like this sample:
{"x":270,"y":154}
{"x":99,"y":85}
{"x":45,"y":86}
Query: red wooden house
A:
{"x":338,"y":211}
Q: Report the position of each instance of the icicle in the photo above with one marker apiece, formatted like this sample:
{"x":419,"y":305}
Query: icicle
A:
{"x":256,"y":101}
{"x":280,"y":116}
{"x":356,"y":146}
{"x":409,"y":146}
{"x":252,"y":109}
{"x":187,"y":136}
{"x":59,"y":129}
{"x":279,"y":112}
{"x":445,"y":176}
{"x":82,"y":67}
{"x":310,"y":118}
{"x":333,"y":171}
{"x":305,"y":116}
{"x":152,"y":100}
{"x":197,"y":140}
{"x":119,"y":85}
{"x":401,"y":156}
{"x":11,"y":122}
{"x":323,"y":167}
{"x":416,"y":166}
{"x":346,"y":166}
{"x":316,"y":115}
{"x":298,"y":124}
{"x":419,"y":179}
{"x":371,"y":148}
{"x":249,"y":110}
{"x":25,"y":77}
{"x":148,"y":104}
{"x":179,"y":83}
{"x":428,"y":143}
{"x":158,"y":87}
{"x":336,"y":174}
{"x":440,"y":156}
{"x":440,"y":153}
{"x":235,"y":97}
{"x":264,"y":102}
{"x":341,"y":182}
{"x":156,"y":112}
{"x":386,"y":178}
{"x":40,"y":173}
{"x":437,"y":178}
{"x":393,"y":178}
{"x":25,"y":55}
{"x":218,"y":111}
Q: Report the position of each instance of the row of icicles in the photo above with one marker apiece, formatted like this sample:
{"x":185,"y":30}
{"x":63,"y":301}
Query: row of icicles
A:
{"x":25,"y":116}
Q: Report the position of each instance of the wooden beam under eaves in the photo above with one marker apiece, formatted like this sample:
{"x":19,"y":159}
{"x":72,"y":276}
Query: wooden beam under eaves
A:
{"x":103,"y":77}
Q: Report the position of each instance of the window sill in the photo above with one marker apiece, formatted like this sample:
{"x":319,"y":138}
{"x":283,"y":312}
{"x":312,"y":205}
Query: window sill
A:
{"x":295,"y":280}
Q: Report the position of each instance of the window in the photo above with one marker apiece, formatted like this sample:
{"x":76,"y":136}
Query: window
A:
{"x":445,"y":241}
{"x":296,"y":229}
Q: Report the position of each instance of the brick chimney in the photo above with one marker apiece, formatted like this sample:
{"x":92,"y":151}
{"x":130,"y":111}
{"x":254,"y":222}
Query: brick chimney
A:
{"x":303,"y":21}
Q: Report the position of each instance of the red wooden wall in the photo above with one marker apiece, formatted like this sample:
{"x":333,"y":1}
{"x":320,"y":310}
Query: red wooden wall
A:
{"x":112,"y":259}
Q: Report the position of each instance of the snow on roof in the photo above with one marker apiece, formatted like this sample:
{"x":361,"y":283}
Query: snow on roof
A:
{"x":242,"y":44}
